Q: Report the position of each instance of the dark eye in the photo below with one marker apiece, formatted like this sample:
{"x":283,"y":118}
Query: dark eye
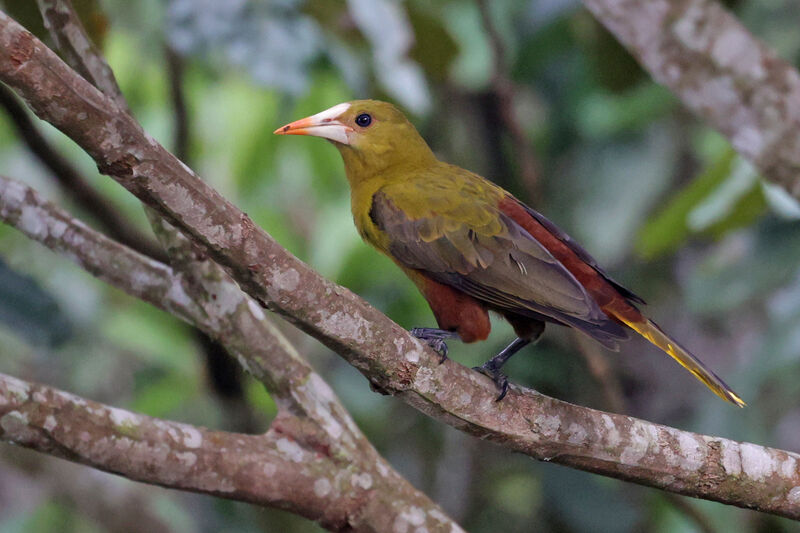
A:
{"x":363,"y":120}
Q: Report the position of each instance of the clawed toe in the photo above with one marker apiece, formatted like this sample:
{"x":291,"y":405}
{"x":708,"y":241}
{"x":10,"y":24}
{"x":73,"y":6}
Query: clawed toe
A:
{"x":435,"y":339}
{"x":500,"y":379}
{"x":440,"y":347}
{"x":491,"y":368}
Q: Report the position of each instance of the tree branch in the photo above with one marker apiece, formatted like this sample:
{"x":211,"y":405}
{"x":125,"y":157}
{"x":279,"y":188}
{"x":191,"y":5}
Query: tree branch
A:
{"x":108,"y":260}
{"x":79,"y":51}
{"x":270,"y":469}
{"x":714,"y":468}
{"x":73,"y":182}
{"x":181,"y":133}
{"x":721,"y":72}
{"x":310,"y":415}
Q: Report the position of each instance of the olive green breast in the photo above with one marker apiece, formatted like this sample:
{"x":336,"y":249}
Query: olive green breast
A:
{"x":440,"y":191}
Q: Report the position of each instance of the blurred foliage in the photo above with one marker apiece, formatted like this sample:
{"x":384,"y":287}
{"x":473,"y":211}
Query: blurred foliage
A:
{"x":30,"y":311}
{"x":725,"y":196}
{"x":655,"y":195}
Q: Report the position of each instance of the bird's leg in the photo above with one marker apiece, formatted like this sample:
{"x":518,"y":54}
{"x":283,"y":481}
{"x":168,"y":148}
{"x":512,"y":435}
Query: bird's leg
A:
{"x":492,"y":367}
{"x":435,"y":338}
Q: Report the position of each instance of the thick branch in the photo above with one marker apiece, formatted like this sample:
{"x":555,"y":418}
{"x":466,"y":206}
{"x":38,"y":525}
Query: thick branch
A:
{"x":721,"y":72}
{"x":746,"y":475}
{"x":310,"y":414}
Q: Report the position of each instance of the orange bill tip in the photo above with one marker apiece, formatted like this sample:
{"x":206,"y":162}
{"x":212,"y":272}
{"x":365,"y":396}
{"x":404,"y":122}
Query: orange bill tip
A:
{"x":323,"y":124}
{"x":298,"y":127}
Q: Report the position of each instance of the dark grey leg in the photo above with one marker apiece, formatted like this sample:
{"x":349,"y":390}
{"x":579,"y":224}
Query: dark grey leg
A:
{"x":435,"y":338}
{"x":491,"y":368}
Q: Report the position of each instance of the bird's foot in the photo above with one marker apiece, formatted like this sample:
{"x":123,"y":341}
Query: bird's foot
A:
{"x":491,"y":368}
{"x":492,"y":372}
{"x":435,"y":338}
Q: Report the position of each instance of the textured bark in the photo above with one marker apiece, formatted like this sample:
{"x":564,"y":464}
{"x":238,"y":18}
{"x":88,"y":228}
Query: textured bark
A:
{"x":311,"y":420}
{"x":272,"y":468}
{"x":721,"y":72}
{"x":79,"y":51}
{"x":740,"y":474}
{"x":74,"y":184}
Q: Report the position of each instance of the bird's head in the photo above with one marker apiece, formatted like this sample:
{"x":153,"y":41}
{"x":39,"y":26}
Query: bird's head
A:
{"x":371,"y":136}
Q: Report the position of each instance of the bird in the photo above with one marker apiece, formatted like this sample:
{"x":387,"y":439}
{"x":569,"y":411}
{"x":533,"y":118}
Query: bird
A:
{"x":471,"y":247}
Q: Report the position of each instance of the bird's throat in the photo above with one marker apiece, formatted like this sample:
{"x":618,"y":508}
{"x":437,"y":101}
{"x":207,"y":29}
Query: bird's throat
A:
{"x":366,"y":163}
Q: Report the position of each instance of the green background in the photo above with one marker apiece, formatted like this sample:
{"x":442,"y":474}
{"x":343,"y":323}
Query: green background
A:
{"x":655,"y":195}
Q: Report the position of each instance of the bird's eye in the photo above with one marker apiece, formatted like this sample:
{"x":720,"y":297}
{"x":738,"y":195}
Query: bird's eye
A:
{"x":363,"y":120}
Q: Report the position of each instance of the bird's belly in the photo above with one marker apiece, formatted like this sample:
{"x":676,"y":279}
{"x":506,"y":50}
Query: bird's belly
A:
{"x":453,"y":310}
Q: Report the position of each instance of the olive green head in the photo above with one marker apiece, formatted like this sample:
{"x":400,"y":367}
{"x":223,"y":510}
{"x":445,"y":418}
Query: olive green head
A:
{"x":371,"y":135}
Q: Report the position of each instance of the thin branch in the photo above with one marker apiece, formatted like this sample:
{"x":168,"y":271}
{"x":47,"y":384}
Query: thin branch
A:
{"x":181,"y":135}
{"x":504,"y":92}
{"x":73,"y":182}
{"x":79,"y":51}
{"x":223,"y":374}
{"x":714,"y":468}
{"x":721,"y":72}
{"x":104,"y":258}
{"x":309,"y":412}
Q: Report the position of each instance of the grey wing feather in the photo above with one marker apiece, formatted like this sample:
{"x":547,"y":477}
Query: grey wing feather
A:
{"x":509,"y":270}
{"x":581,"y":253}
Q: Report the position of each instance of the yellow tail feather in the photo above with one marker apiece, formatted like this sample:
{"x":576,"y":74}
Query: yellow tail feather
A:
{"x":650,"y":331}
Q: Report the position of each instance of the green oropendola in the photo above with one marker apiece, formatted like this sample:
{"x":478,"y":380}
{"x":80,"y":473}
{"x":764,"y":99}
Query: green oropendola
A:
{"x":471,"y":247}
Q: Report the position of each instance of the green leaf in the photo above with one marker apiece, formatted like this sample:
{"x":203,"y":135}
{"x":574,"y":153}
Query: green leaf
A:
{"x":610,"y":63}
{"x":153,"y":336}
{"x":668,"y":229}
{"x":725,"y":196}
{"x":603,"y":114}
{"x":161,"y":394}
{"x":743,"y":213}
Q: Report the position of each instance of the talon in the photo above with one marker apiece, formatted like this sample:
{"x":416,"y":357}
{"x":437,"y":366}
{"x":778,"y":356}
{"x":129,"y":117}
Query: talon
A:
{"x":499,"y":379}
{"x":435,"y":338}
{"x":503,"y":389}
{"x":439,"y":346}
{"x":441,"y":349}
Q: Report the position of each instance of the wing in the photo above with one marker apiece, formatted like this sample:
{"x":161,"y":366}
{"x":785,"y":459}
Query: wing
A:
{"x":459,"y":238}
{"x":581,"y":253}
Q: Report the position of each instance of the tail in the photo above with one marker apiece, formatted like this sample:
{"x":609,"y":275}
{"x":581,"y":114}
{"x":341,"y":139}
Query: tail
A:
{"x":650,"y":331}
